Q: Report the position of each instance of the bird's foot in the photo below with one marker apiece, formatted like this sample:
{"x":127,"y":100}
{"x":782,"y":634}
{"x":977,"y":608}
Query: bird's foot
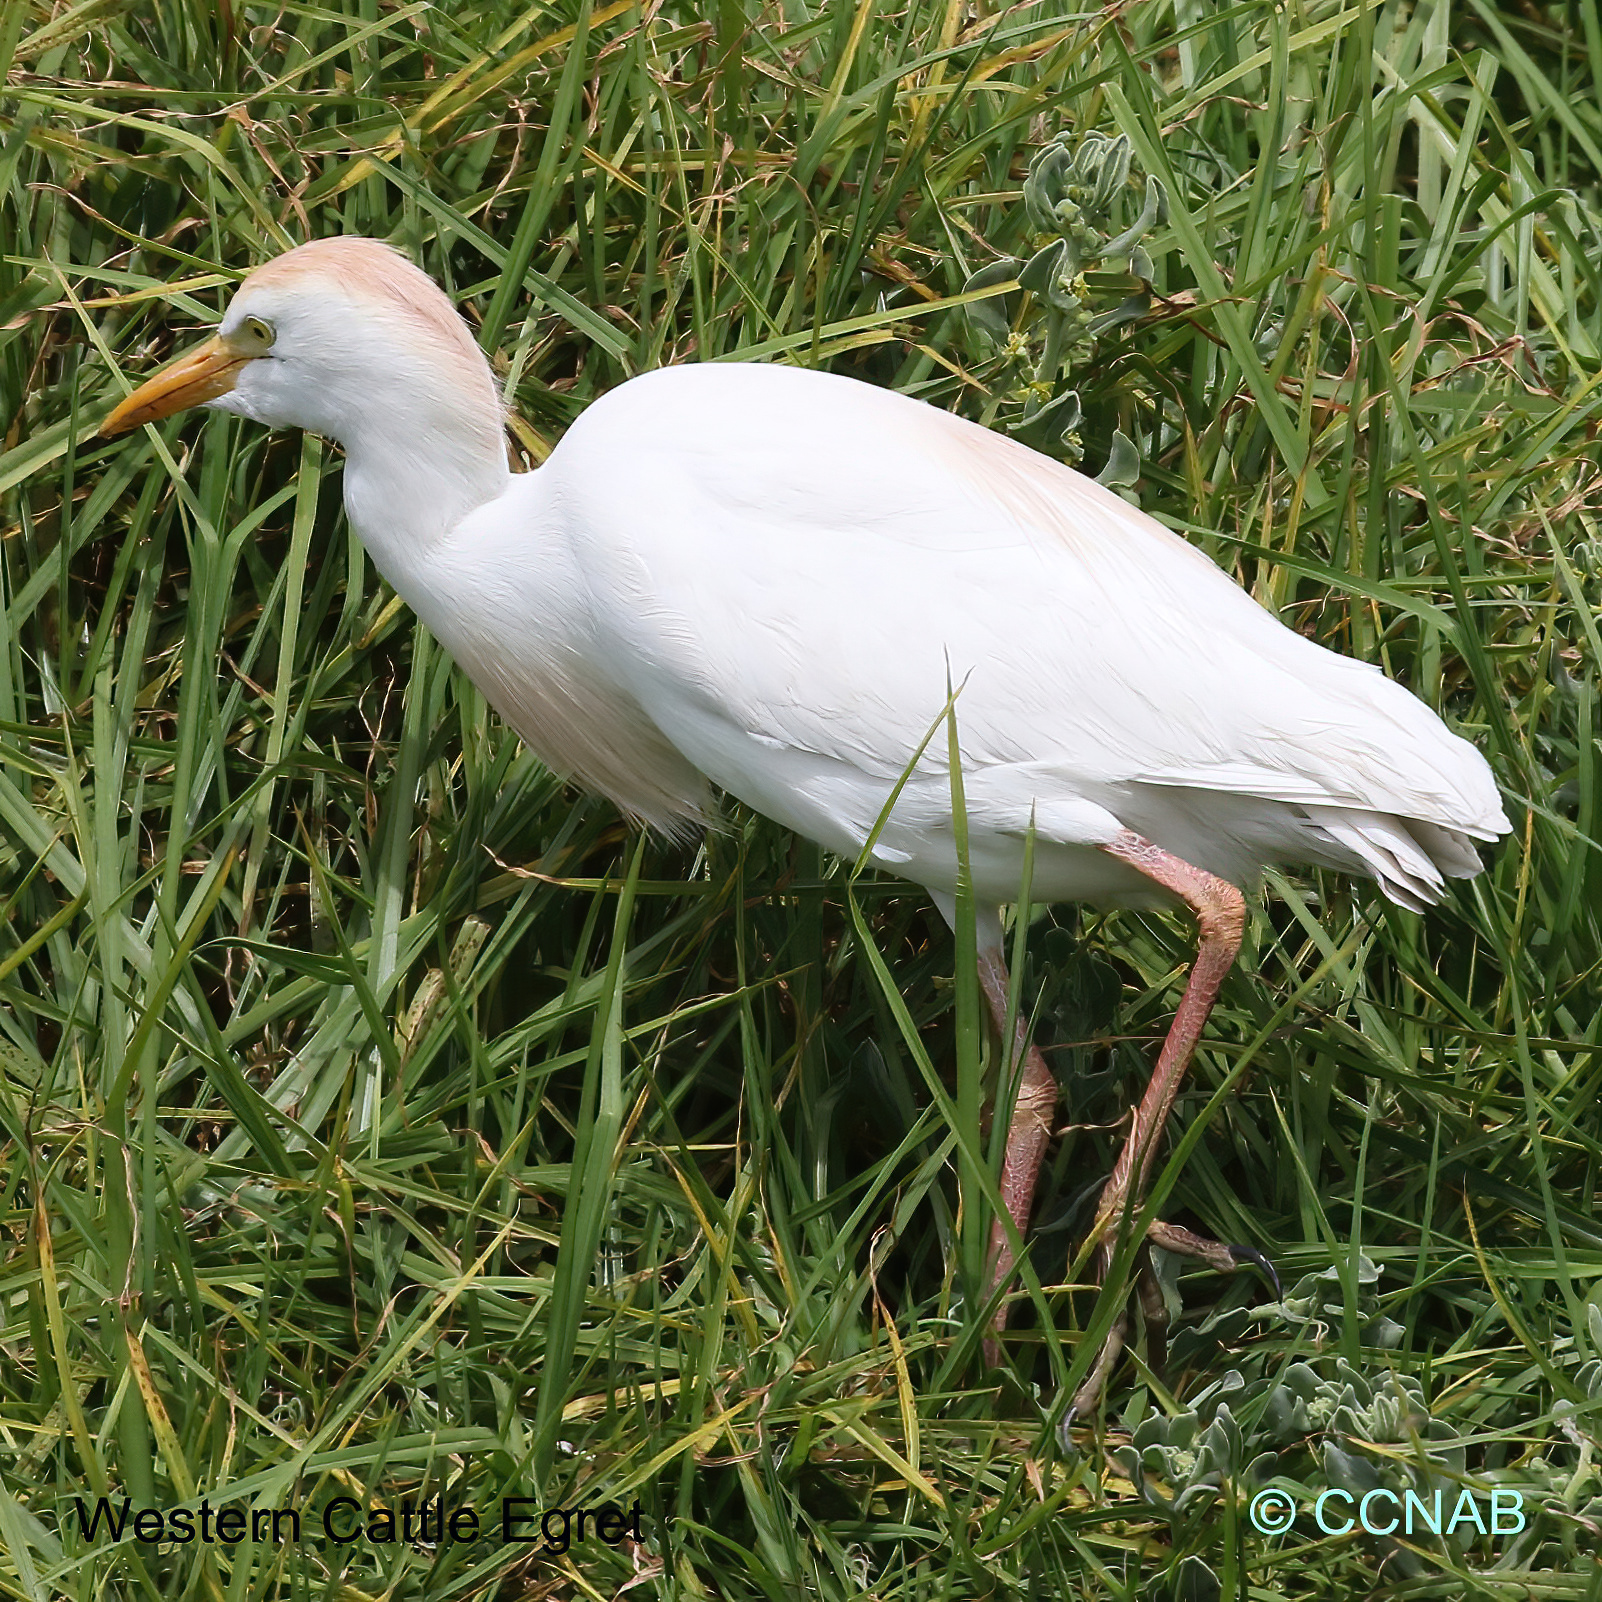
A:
{"x":1225,"y":1259}
{"x":1172,"y":1238}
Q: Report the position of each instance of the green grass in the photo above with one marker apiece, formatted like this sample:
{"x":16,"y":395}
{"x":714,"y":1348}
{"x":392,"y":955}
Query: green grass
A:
{"x":378,"y":1118}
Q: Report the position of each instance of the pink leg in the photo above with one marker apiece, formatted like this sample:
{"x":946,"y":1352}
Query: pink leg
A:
{"x":1221,"y":914}
{"x":1027,"y":1135}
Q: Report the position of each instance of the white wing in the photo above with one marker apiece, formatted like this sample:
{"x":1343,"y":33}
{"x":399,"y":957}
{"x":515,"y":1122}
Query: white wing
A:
{"x":787,"y":569}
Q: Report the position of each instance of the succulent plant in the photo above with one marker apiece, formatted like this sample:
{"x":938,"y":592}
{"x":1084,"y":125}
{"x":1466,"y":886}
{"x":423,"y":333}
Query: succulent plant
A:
{"x":1047,"y":327}
{"x":1321,"y":1425}
{"x":1185,"y":1460}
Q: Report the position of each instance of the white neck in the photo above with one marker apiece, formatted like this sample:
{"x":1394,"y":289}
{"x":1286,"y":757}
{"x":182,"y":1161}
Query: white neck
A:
{"x":414,"y":470}
{"x":502,"y":592}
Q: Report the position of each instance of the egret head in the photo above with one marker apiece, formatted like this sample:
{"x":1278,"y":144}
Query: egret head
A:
{"x":337,"y":336}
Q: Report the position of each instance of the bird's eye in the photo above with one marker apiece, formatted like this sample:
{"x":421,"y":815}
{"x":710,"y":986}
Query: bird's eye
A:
{"x":258,"y":332}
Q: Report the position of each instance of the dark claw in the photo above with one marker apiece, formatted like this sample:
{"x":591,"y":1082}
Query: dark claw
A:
{"x":1068,"y":1214}
{"x":1065,"y":1437}
{"x":1250,"y":1254}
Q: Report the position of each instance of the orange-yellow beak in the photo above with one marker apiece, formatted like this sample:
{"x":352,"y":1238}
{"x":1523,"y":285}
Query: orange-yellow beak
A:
{"x":208,"y":371}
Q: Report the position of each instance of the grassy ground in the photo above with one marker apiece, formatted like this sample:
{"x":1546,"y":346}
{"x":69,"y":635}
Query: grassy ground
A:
{"x":379,"y":1120}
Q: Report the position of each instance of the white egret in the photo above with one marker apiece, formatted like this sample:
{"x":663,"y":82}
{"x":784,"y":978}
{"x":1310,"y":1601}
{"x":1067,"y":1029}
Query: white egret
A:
{"x":767,"y":578}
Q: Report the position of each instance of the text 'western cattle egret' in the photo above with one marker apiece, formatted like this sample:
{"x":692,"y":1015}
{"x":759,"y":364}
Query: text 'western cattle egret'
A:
{"x":768,"y":580}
